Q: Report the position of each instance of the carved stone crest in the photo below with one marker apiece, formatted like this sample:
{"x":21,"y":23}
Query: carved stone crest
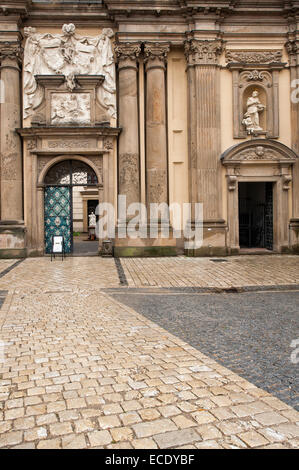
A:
{"x":68,"y":54}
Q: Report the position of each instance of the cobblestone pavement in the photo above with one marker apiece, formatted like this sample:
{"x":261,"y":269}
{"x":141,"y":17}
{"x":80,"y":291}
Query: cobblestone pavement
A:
{"x":82,"y":370}
{"x":252,"y":270}
{"x":72,"y":273}
{"x":250,"y":333}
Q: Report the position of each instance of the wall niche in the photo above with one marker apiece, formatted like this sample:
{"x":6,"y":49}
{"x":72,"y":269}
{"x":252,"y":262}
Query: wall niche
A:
{"x":255,"y":92}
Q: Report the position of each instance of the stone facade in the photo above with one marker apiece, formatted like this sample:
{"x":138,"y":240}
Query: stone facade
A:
{"x":173,"y":103}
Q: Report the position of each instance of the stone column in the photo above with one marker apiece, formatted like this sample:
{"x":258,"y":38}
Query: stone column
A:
{"x":128,"y":160}
{"x":11,"y":150}
{"x":156,"y":132}
{"x":293,"y":49}
{"x":205,"y":138}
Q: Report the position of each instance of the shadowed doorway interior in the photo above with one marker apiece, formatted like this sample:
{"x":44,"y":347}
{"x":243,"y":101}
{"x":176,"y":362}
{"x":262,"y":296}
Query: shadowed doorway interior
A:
{"x":256,"y":215}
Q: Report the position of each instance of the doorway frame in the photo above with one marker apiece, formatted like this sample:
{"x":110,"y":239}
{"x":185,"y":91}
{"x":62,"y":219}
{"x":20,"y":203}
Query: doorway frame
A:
{"x":259,"y":160}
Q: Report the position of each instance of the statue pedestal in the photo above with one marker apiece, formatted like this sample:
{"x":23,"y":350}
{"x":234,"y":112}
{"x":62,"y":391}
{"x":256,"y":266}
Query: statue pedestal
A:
{"x":91,"y":232}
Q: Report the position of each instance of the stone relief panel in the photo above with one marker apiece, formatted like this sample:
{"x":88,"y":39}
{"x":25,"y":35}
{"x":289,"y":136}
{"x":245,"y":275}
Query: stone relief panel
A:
{"x":68,"y":54}
{"x":70,"y":108}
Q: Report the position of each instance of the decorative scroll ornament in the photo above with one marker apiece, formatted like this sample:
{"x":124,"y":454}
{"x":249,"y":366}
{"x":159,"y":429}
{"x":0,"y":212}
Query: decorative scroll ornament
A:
{"x":203,"y":52}
{"x":255,"y":75}
{"x":254,"y":57}
{"x":68,"y":54}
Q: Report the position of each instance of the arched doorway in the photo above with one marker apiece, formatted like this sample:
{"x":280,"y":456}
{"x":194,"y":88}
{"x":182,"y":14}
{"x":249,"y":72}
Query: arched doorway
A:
{"x":63,"y":184}
{"x":259,"y":173}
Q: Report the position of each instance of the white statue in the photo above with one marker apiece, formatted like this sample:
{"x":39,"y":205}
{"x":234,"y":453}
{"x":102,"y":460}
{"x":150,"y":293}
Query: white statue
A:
{"x":251,"y":117}
{"x":68,"y":54}
{"x":92,"y":220}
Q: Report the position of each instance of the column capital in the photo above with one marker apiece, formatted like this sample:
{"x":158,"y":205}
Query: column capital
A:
{"x":203,"y":52}
{"x":292,"y":47}
{"x":155,"y":54}
{"x":11,"y":51}
{"x":127,"y":52}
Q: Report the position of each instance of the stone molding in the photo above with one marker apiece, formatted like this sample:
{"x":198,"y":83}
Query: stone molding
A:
{"x":203,"y":52}
{"x":11,"y":50}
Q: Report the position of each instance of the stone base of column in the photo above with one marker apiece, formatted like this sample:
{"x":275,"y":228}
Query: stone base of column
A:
{"x":294,"y":236}
{"x":145,"y":246}
{"x":13,"y":239}
{"x":214,"y":241}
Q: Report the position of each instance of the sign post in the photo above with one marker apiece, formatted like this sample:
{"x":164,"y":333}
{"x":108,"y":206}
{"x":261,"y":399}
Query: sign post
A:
{"x":58,"y":246}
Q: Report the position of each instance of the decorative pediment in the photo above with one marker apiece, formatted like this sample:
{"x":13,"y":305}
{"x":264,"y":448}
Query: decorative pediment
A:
{"x":258,"y":151}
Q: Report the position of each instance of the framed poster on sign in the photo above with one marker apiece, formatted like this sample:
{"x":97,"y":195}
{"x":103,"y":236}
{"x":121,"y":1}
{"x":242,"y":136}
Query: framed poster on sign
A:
{"x":57,"y":246}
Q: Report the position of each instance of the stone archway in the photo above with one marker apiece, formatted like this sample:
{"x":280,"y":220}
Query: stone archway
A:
{"x":259,"y":160}
{"x":61,"y":180}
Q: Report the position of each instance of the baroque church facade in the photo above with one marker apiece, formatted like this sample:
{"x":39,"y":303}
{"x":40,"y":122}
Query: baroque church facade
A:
{"x":167,"y":102}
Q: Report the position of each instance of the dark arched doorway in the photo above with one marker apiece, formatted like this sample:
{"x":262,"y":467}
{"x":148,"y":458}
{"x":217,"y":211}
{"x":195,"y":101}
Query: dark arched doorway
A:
{"x":61,"y":183}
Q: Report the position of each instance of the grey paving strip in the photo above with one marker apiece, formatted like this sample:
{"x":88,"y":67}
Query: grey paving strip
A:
{"x":10,"y":268}
{"x":121,"y":273}
{"x":204,"y":290}
{"x":249,"y":333}
{"x":3,"y":294}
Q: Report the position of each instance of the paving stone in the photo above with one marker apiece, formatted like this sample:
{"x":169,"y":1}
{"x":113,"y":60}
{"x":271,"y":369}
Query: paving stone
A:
{"x":270,"y":418}
{"x":145,"y":443}
{"x":182,"y":422}
{"x":149,"y":414}
{"x":253,"y":439}
{"x":49,"y":444}
{"x":35,"y":433}
{"x":11,"y":438}
{"x":74,"y":441}
{"x":203,"y":417}
{"x":58,"y":429}
{"x":83,"y":425}
{"x":107,"y":422}
{"x":122,"y":434}
{"x":176,"y":438}
{"x":131,"y":417}
{"x":208,"y":432}
{"x":153,"y":427}
{"x":99,"y":438}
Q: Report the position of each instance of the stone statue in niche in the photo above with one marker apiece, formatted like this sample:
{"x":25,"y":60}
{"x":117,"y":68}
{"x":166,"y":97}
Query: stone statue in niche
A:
{"x":68,"y":54}
{"x":251,"y":118}
{"x":70,"y":108}
{"x":92,"y":220}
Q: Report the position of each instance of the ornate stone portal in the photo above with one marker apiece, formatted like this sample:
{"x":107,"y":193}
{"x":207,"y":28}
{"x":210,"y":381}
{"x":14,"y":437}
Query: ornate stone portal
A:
{"x":69,"y":105}
{"x":254,"y":161}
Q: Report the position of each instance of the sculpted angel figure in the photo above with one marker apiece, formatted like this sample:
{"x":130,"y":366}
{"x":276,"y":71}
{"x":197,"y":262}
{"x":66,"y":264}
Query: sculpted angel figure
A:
{"x":107,"y":92}
{"x":251,"y":118}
